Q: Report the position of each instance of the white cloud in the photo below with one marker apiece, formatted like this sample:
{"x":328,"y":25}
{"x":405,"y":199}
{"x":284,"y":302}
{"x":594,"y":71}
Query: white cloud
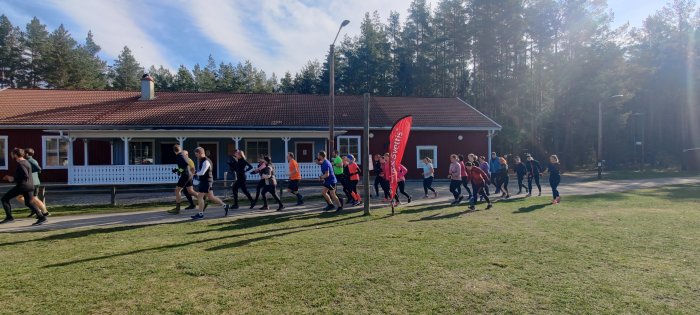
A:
{"x":282,"y":35}
{"x":114,"y":25}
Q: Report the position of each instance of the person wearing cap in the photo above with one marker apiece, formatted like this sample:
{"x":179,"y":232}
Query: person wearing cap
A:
{"x":294,"y":178}
{"x":533,"y":172}
{"x":479,"y":180}
{"x":353,"y":173}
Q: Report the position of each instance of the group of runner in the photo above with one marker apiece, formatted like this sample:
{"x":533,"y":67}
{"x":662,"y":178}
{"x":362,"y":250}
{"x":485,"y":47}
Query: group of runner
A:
{"x":27,"y":187}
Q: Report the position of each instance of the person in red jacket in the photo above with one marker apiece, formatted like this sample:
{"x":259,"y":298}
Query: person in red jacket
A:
{"x":479,"y":180}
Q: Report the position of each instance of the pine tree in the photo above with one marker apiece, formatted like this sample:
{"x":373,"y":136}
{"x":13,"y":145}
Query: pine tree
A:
{"x":287,"y":83}
{"x":184,"y":81}
{"x":90,"y":70}
{"x":60,"y":62}
{"x":126,"y":72}
{"x":35,"y":42}
{"x":10,"y":52}
{"x":163,"y":79}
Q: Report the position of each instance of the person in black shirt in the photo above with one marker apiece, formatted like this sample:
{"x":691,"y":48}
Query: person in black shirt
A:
{"x":184,"y":183}
{"x":520,"y":170}
{"x":261,"y":182}
{"x":533,"y":172}
{"x":267,"y":174}
{"x":241,"y":168}
{"x":24,"y":185}
{"x":205,"y":177}
{"x":554,"y":177}
{"x":377,"y":165}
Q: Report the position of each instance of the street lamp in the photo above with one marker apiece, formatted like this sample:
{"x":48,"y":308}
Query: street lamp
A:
{"x":600,"y":135}
{"x":331,"y":114}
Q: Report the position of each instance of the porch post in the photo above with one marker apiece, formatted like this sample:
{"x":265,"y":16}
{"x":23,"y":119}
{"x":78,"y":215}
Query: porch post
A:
{"x":286,"y":145}
{"x":488,"y":154}
{"x":70,"y":156}
{"x":236,"y":140}
{"x":126,"y":159}
{"x":85,"y":152}
{"x":181,"y":140}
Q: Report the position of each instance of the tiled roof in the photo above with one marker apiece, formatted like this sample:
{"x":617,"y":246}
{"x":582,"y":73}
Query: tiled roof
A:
{"x":226,"y":110}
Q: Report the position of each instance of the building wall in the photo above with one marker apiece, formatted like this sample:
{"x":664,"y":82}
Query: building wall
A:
{"x":447,"y":143}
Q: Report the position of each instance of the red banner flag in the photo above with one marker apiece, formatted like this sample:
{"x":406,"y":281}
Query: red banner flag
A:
{"x":397,"y":144}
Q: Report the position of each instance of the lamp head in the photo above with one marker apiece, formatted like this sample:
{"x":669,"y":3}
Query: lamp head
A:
{"x":345,"y":23}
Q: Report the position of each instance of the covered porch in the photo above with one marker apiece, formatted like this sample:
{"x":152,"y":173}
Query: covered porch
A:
{"x":146,"y":156}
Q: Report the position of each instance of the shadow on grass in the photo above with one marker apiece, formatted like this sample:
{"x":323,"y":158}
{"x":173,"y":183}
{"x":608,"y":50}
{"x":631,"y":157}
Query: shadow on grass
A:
{"x":531,"y":208}
{"x":284,"y":231}
{"x":438,"y":216}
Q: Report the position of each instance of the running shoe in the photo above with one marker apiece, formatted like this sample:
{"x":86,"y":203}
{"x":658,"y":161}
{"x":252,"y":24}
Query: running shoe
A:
{"x":226,"y":207}
{"x":528,"y":195}
{"x":539,"y":194}
{"x":252,"y":205}
{"x":198,"y":216}
{"x":191,"y":206}
{"x":489,"y":206}
{"x":472,"y":208}
{"x":31,"y":214}
{"x":329,"y":208}
{"x":47,"y":214}
{"x":425,"y":196}
{"x":39,"y":222}
{"x":281,"y":207}
{"x":299,"y":203}
{"x":409,"y":199}
{"x":460,"y":199}
{"x":174,"y":211}
{"x":7,"y":220}
{"x":234,"y":207}
{"x":264,"y":208}
{"x":558,"y":199}
{"x":340,"y":209}
{"x":435,"y":194}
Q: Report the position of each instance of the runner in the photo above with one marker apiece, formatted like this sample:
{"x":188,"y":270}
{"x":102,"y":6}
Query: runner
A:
{"x":401,"y":178}
{"x":294,"y":178}
{"x":378,"y":174}
{"x":554,"y":177}
{"x":329,"y":183}
{"x":268,"y":175}
{"x":520,"y":171}
{"x":533,"y":172}
{"x":484,"y":167}
{"x":261,"y":182}
{"x":455,"y":177}
{"x":242,"y":167}
{"x":24,"y":186}
{"x":184,"y":182}
{"x":205,"y":177}
{"x":479,"y":180}
{"x":344,"y":179}
{"x":503,"y":177}
{"x":38,"y":200}
{"x":386,"y":173}
{"x":354,"y":172}
{"x":494,"y":166}
{"x":339,"y":172}
{"x":464,"y":175}
{"x":428,"y":177}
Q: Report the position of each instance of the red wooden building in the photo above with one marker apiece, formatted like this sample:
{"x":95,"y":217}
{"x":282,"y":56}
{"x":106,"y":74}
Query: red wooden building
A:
{"x":96,"y":137}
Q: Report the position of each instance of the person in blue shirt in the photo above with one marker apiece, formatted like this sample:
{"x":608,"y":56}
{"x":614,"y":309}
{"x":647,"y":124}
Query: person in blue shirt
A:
{"x":494,"y":167}
{"x":554,"y":177}
{"x":329,"y":181}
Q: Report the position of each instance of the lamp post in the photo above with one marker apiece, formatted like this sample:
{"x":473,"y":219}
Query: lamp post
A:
{"x":600,"y":136}
{"x":331,"y":114}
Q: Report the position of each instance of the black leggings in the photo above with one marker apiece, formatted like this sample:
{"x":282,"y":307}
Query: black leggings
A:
{"x":554,"y":182}
{"x":479,"y":190}
{"x":504,"y":184}
{"x":428,"y":184}
{"x":241,"y":184}
{"x":385,"y":188}
{"x":537,"y":182}
{"x":27,"y":193}
{"x":270,"y":189}
{"x":402,"y":190}
{"x":258,"y":189}
{"x":377,"y":183}
{"x":465,"y":183}
{"x":454,"y":188}
{"x":353,"y":187}
{"x":520,"y":184}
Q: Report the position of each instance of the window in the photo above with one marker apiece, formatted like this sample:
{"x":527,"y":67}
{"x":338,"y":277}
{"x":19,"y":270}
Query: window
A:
{"x":141,"y":152}
{"x":3,"y":153}
{"x":55,"y":152}
{"x":423,"y":151}
{"x":349,"y":145}
{"x":256,"y":147}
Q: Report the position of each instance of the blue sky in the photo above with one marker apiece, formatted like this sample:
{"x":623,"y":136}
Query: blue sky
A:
{"x":276,"y":35}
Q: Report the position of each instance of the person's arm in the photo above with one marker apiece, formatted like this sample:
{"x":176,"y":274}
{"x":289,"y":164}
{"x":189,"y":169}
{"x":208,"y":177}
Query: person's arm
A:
{"x":247,"y":166}
{"x":36,"y":165}
{"x":205,"y":167}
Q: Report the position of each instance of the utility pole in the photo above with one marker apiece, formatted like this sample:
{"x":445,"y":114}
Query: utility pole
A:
{"x":365,"y":154}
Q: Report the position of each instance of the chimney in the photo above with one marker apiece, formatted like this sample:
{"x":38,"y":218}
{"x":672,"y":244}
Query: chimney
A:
{"x":147,"y":88}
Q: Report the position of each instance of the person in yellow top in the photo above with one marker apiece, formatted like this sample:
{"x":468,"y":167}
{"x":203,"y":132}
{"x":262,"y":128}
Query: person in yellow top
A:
{"x":294,"y":178}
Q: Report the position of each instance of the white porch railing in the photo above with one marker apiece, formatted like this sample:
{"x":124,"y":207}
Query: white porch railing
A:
{"x":121,"y":174}
{"x":308,"y":171}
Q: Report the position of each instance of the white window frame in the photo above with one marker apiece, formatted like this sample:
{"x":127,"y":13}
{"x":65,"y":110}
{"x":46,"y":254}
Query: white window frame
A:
{"x":153,"y":145}
{"x":7,"y":154}
{"x":256,"y":157}
{"x":44,"y":151}
{"x":358,"y":157}
{"x":419,"y":159}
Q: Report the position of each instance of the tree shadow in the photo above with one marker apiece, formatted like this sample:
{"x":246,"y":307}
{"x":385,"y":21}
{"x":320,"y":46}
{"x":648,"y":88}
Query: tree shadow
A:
{"x":438,"y":216}
{"x":285,"y":231}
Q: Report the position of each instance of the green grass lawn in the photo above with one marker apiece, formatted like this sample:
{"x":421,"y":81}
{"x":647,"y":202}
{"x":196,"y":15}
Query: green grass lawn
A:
{"x":634,"y":252}
{"x":646,"y":174}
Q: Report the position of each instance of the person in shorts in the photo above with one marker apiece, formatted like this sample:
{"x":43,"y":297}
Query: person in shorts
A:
{"x":329,"y":183}
{"x":294,"y":178}
{"x":205,"y":176}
